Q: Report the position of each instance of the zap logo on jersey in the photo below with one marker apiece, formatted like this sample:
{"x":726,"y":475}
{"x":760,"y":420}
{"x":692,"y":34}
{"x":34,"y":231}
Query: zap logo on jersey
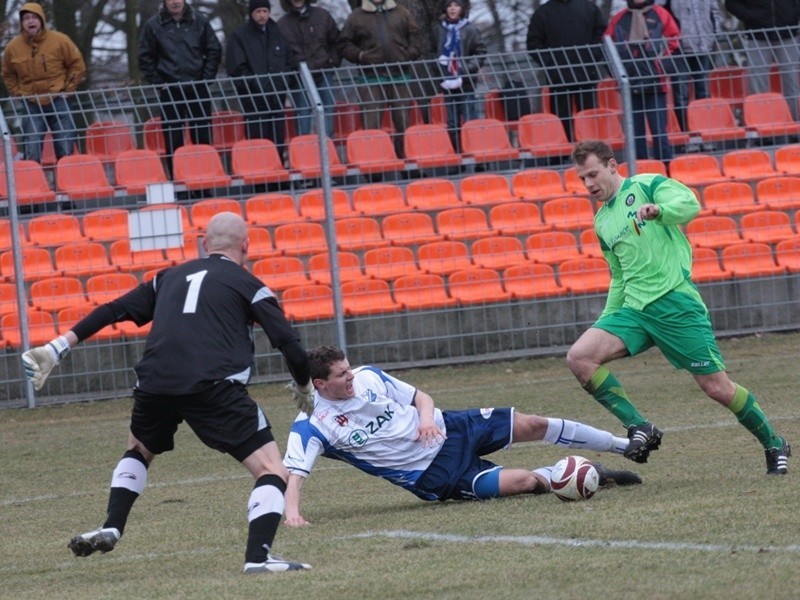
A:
{"x":630,"y":200}
{"x":341,"y":420}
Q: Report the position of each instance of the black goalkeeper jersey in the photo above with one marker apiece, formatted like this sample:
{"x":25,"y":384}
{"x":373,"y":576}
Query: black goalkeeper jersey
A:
{"x":202,"y":315}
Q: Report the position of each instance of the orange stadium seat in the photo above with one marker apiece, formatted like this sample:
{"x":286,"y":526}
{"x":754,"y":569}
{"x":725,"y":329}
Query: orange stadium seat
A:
{"x":779,"y":193}
{"x":477,"y":286}
{"x":750,"y":259}
{"x":766,"y":226}
{"x":429,"y":146}
{"x":590,"y":245}
{"x":304,"y":157}
{"x":190,"y":249}
{"x":312,"y":204}
{"x":259,"y":243}
{"x":729,"y":198}
{"x":714,"y":231}
{"x":516,"y":218}
{"x":105,"y":224}
{"x":125,"y":259}
{"x":747,"y":164}
{"x":608,"y":95}
{"x":787,"y":254}
{"x":584,"y":275}
{"x":372,"y":151}
{"x":54,"y":229}
{"x":537,"y":184}
{"x":551,"y":247}
{"x":497,"y":252}
{"x":106,"y":139}
{"x":82,"y":259}
{"x":81,"y":177}
{"x":409,"y":228}
{"x":569,"y":212}
{"x":359,"y":233}
{"x":486,"y":140}
{"x":54,"y":293}
{"x":769,"y":115}
{"x":464,"y":223}
{"x":485,"y":188}
{"x":199,"y":167}
{"x":573,"y":183}
{"x":599,"y":124}
{"x":202,"y":211}
{"x":270,"y":209}
{"x":696,"y":169}
{"x":706,"y":266}
{"x":300,"y":238}
{"x":308,"y":302}
{"x":443,"y":258}
{"x":67,"y":317}
{"x":5,"y":234}
{"x":227,"y":128}
{"x":787,"y":159}
{"x":36,"y":264}
{"x":422,"y":291}
{"x":379,"y":198}
{"x":390,"y":263}
{"x":257,"y":162}
{"x":41,"y":328}
{"x":644,"y":165}
{"x":432,"y":194}
{"x":728,"y":83}
{"x":532,"y":280}
{"x":368,"y":296}
{"x":31,"y":183}
{"x":713,"y":120}
{"x":319,"y":267}
{"x":109,"y":286}
{"x":543,"y":136}
{"x":281,"y":272}
{"x":8,"y":298}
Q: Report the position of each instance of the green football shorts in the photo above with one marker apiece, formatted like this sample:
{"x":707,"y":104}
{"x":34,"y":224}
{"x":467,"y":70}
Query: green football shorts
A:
{"x":677,"y":323}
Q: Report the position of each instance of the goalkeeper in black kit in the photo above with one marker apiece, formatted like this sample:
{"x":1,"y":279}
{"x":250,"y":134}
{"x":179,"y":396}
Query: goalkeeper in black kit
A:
{"x":196,"y":363}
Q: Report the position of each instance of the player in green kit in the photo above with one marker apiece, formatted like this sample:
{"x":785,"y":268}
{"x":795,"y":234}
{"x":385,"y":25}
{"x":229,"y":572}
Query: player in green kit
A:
{"x":652,"y":301}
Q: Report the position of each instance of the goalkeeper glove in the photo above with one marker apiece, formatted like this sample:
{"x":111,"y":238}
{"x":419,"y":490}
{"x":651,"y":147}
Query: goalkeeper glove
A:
{"x":38,"y":362}
{"x":303,"y":396}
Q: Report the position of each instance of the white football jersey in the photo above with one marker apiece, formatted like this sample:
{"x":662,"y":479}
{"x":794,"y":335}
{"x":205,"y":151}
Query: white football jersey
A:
{"x":374,"y":431}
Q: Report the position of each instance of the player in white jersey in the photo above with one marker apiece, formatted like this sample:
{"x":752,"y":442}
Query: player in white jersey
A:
{"x":388,"y":428}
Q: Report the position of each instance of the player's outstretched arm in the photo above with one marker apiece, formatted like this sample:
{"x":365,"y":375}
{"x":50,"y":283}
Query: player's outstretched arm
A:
{"x":292,"y":499}
{"x":303,"y":396}
{"x":40,"y":361}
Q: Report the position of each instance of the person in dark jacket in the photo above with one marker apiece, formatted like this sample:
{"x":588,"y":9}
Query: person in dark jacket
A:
{"x":771,"y":27}
{"x":559,"y":34}
{"x":461,"y":54}
{"x":179,"y":52}
{"x":311,"y":34}
{"x":257,"y":55}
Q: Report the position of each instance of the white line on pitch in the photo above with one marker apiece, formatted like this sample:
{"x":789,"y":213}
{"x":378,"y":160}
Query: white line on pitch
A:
{"x":535,"y":540}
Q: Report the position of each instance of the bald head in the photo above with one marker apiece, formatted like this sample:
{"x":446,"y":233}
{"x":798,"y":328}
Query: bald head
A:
{"x":227,"y":234}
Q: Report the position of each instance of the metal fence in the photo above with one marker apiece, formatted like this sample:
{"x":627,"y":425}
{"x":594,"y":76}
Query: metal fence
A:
{"x":407,"y":235}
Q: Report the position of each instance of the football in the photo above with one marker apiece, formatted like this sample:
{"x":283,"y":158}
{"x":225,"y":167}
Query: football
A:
{"x":574,"y":478}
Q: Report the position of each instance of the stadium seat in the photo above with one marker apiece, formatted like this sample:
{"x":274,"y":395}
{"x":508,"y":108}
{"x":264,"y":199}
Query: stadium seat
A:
{"x":728,"y":83}
{"x":429,"y":146}
{"x":367,"y":297}
{"x":136,"y":169}
{"x":516,"y":218}
{"x":467,"y":223}
{"x":202,"y":211}
{"x":706,"y":266}
{"x":359,"y":233}
{"x":129,"y":329}
{"x":153,"y":135}
{"x":346,"y":119}
{"x":409,"y":228}
{"x":608,"y":95}
{"x":390,"y":263}
{"x":497,"y":252}
{"x":422,"y":291}
{"x":443,"y":258}
{"x":584,"y":275}
{"x":125,"y":259}
{"x":31,"y":183}
{"x":779,"y":193}
{"x":8,"y":299}
{"x":644,"y":165}
{"x":319,"y":267}
{"x":787,"y":159}
{"x":675,"y":135}
{"x":54,"y":293}
{"x":599,"y":124}
{"x":271,"y":209}
{"x":300,"y":238}
{"x":372,"y":151}
{"x":106,"y":139}
{"x":729,"y":198}
{"x":109,"y":286}
{"x":281,"y":272}
{"x":542,"y":135}
{"x":5,"y":235}
{"x":308,"y":302}
{"x":304,"y":157}
{"x":199,"y":167}
{"x":432,"y":194}
{"x":551,"y":247}
{"x":82,"y":259}
{"x":766,"y":226}
{"x":486,"y":140}
{"x":485,"y":188}
{"x":537,"y":184}
{"x":750,"y":259}
{"x":531,"y":280}
{"x":41,"y":328}
{"x":312,"y":204}
{"x":713,"y":120}
{"x":477,"y":286}
{"x":568,"y":213}
{"x":696,"y":169}
{"x":590,"y":245}
{"x":747,"y":164}
{"x":227,"y":128}
{"x":190,"y":249}
{"x":713,"y":231}
{"x":257,"y":161}
{"x":82,"y":177}
{"x":54,"y":229}
{"x":105,"y":224}
{"x":379,"y":198}
{"x":769,"y":115}
{"x":572,"y":183}
{"x":259,"y":243}
{"x":787,"y":254}
{"x":36,"y":264}
{"x":67,"y":317}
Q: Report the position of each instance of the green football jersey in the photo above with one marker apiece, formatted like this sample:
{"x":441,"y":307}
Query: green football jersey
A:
{"x":647,"y":258}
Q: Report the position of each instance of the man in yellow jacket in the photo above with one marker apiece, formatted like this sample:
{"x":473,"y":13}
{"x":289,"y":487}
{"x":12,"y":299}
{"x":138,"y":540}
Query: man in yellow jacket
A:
{"x":43,"y":67}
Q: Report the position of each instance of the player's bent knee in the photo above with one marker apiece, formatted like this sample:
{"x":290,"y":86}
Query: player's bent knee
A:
{"x":487,"y":484}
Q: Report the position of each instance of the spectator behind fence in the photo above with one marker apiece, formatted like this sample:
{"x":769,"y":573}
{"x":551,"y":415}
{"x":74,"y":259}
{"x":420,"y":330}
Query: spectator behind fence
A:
{"x":179,"y":52}
{"x":461,"y":53}
{"x":43,"y":67}
{"x":311,"y":34}
{"x":381,"y":36}
{"x":764,"y":45}
{"x":572,"y":73}
{"x":646,"y":35}
{"x":699,"y":22}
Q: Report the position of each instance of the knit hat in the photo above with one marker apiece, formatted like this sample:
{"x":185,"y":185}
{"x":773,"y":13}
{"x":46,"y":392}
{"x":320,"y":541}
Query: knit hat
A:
{"x":254,"y":4}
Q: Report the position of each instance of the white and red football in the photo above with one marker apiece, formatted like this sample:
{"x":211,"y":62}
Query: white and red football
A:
{"x":574,"y":478}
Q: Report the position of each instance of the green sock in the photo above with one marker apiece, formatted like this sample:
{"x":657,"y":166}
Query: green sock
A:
{"x":745,"y":406}
{"x":605,"y":388}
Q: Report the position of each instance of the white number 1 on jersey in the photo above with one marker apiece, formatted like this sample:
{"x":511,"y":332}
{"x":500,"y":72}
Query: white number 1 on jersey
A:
{"x":195,"y":281}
